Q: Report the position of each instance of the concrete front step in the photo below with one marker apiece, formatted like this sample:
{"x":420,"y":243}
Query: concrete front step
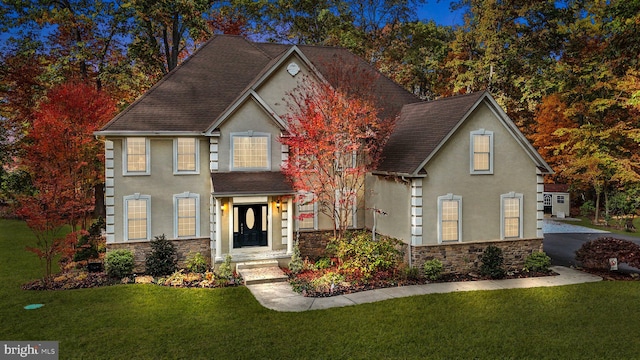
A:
{"x":261,"y":272}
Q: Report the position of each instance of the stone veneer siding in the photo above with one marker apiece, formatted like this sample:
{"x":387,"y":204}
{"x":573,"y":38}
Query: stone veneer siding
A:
{"x":313,"y":244}
{"x":459,"y":258}
{"x":463,"y":258}
{"x":183,"y":249}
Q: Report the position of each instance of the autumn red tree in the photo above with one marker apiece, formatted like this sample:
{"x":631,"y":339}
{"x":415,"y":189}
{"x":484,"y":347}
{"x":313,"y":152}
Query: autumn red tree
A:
{"x":334,"y":138}
{"x":65,"y":162}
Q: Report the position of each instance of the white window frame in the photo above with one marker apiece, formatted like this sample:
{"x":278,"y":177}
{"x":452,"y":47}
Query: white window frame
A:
{"x":250,"y":134}
{"x":560,"y":199}
{"x":176,"y":170}
{"x":315,"y":213}
{"x":340,"y":166}
{"x":354,"y":209}
{"x":136,"y":196}
{"x":511,"y":195}
{"x":441,"y":199}
{"x":125,"y":158}
{"x":472,"y":169}
{"x":185,"y":195}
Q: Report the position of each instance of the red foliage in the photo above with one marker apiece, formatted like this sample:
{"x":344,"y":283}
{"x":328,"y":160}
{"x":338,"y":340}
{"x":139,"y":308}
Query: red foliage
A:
{"x":62,"y":155}
{"x":65,"y":162}
{"x":334,"y":138}
{"x":596,"y":254}
{"x":229,"y":23}
{"x":550,"y":117}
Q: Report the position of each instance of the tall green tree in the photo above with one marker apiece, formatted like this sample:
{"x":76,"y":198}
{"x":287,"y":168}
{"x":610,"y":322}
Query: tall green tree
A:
{"x":167,"y":31}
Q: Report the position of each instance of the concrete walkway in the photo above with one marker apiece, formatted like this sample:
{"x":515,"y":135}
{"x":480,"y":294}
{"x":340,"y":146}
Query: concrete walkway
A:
{"x":281,"y":297}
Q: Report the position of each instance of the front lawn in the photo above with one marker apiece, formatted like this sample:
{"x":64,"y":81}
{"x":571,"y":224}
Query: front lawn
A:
{"x":594,"y":321}
{"x":587,"y":222}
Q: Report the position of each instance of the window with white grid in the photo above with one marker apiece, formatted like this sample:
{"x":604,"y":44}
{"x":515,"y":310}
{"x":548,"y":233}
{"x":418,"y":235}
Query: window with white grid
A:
{"x":250,"y":152}
{"x":481,"y":152}
{"x":449,"y":218}
{"x":136,"y":156}
{"x":306,"y":212}
{"x":137,"y":225}
{"x":511,"y":211}
{"x":186,"y":156}
{"x":186,"y":215}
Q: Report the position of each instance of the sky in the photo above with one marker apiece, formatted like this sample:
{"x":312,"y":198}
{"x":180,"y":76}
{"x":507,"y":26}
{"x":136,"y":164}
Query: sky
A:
{"x":438,"y":10}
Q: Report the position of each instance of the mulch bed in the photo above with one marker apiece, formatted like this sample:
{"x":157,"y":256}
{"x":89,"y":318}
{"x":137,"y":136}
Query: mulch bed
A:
{"x":386,"y":281}
{"x":609,"y":275}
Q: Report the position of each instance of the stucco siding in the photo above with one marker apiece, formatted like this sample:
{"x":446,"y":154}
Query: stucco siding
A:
{"x":249,"y":117}
{"x":449,"y":172}
{"x":161,"y":185}
{"x":275,"y":91}
{"x":394,"y":198}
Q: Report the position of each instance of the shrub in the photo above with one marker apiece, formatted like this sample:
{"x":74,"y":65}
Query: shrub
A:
{"x":537,"y":261}
{"x":176,"y":279}
{"x":162,"y":260}
{"x":90,"y":244}
{"x":433,"y":269}
{"x":119,"y":263}
{"x":327,"y":282}
{"x":196,"y":263}
{"x":492,"y":261}
{"x":323,"y":263}
{"x":358,"y":251}
{"x":296,"y":264}
{"x":596,"y":254}
{"x":224,"y":270}
{"x":410,"y":273}
{"x":587,"y":209}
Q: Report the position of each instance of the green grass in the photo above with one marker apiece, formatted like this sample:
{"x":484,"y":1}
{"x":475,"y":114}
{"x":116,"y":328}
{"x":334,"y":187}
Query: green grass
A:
{"x":593,"y":321}
{"x":586,"y":222}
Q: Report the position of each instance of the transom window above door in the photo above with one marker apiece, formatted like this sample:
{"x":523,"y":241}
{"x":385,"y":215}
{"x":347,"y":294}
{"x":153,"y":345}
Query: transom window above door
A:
{"x":250,"y":151}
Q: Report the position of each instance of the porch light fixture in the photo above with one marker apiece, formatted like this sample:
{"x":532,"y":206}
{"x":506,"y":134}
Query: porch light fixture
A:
{"x":278,"y":204}
{"x":223,"y":207}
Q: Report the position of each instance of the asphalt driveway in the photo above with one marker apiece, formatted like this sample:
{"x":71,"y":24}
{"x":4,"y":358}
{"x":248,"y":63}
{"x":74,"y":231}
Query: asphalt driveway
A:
{"x":562,"y":240}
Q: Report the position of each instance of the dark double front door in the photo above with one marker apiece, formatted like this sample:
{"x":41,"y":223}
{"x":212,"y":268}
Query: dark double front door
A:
{"x":250,"y":225}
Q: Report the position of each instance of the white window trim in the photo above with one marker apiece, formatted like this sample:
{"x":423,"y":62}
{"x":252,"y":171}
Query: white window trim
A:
{"x":491,"y":151}
{"x":185,"y":195}
{"x":510,"y":196}
{"x":136,"y":196}
{"x":197,"y":158}
{"x":441,"y":199}
{"x":315,"y":216}
{"x":354,"y":209}
{"x":125,"y":171}
{"x":250,"y":134}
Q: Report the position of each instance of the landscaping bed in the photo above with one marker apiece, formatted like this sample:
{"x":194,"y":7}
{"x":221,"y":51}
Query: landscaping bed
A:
{"x":306,"y":282}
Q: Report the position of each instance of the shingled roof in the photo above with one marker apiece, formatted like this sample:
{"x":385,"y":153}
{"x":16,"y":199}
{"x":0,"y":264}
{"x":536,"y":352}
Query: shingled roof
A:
{"x":191,"y":97}
{"x":421,"y":128}
{"x":424,"y":127}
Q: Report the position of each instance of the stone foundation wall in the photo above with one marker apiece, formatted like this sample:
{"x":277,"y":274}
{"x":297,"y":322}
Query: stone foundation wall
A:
{"x":183,"y":249}
{"x":464,"y":257}
{"x":313,"y":244}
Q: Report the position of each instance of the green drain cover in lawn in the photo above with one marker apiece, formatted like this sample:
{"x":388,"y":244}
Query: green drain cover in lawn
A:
{"x":33,"y":306}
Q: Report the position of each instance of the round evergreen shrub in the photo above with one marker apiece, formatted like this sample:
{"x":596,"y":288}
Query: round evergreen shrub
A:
{"x":433,"y":269}
{"x":119,"y":263}
{"x":492,"y":261}
{"x":163,"y":259}
{"x":538,"y":261}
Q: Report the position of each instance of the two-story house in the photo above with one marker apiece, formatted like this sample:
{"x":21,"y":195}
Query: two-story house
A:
{"x":198,"y":158}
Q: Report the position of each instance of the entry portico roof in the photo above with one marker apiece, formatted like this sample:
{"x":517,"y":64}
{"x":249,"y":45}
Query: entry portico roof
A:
{"x":250,"y":183}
